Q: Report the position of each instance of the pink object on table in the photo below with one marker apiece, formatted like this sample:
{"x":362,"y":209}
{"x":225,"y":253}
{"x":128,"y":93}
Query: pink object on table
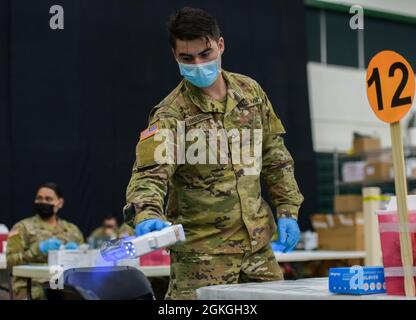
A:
{"x":156,"y":258}
{"x":390,"y":246}
{"x":3,"y":238}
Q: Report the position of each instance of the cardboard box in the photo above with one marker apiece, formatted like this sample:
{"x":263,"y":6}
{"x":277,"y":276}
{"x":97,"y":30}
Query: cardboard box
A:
{"x":357,"y":280}
{"x":339,"y":231}
{"x":362,"y":145}
{"x":411,"y":167}
{"x":379,"y":171}
{"x":344,"y":203}
{"x":353,"y":171}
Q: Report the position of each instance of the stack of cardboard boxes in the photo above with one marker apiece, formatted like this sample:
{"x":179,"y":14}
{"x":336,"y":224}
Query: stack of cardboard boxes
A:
{"x":376,"y":167}
{"x":343,"y":230}
{"x":366,"y":144}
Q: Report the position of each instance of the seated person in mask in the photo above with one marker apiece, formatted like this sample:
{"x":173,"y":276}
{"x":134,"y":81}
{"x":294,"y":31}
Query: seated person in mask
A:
{"x":108,"y":231}
{"x":30,"y":239}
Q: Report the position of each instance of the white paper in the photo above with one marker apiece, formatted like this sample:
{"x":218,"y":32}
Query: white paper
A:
{"x":411,"y":203}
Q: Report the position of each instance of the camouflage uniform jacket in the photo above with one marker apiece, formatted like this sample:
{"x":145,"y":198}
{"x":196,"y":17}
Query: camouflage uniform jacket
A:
{"x":23,"y":244}
{"x":219,"y":205}
{"x":99,"y":235}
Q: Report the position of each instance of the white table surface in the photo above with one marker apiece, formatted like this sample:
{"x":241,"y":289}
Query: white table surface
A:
{"x":42,"y":271}
{"x":303,"y":289}
{"x":317,"y":255}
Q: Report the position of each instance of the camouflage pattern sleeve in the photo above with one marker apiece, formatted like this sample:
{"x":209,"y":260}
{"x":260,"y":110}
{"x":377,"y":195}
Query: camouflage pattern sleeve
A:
{"x":18,"y":249}
{"x":148,"y":184}
{"x":278,"y":165}
{"x":125,"y":231}
{"x":96,"y":234}
{"x":76,"y":234}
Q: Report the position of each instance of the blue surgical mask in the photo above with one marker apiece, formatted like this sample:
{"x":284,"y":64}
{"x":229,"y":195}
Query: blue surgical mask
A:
{"x":201,"y":75}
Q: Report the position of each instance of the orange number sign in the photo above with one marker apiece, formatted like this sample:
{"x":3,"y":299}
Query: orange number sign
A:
{"x":390,"y":86}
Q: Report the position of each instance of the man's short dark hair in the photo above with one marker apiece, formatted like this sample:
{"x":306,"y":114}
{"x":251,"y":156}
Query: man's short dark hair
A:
{"x":110,"y":217}
{"x":190,"y":24}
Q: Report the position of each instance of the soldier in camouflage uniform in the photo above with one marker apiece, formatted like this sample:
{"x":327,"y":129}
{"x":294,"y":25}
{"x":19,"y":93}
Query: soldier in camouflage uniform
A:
{"x":108,"y":231}
{"x":228,"y":225}
{"x":29,"y":239}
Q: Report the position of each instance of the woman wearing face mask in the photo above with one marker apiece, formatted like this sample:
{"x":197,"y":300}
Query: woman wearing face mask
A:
{"x":31,"y":239}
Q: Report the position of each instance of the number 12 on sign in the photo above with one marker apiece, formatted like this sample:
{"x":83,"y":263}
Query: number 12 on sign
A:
{"x":390,"y":86}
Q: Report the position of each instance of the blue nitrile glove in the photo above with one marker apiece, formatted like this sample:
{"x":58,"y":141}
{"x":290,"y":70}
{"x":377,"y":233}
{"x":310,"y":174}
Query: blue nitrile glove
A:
{"x":71,"y":246}
{"x":49,"y":244}
{"x":289,"y":233}
{"x":277,"y":247}
{"x":150,"y":225}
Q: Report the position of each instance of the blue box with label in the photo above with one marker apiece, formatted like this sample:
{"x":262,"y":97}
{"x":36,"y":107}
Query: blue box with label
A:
{"x":357,"y":280}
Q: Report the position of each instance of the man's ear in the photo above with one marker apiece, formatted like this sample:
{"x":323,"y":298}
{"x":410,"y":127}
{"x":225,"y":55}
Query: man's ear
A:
{"x":61,"y":203}
{"x":221,"y":45}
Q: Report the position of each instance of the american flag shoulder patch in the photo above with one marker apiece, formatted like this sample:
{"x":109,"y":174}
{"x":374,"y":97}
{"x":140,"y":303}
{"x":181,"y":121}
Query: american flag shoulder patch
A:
{"x":150,"y":131}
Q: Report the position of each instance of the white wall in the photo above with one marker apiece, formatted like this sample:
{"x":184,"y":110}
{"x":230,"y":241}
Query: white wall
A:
{"x":339,"y":106}
{"x":401,"y":7}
